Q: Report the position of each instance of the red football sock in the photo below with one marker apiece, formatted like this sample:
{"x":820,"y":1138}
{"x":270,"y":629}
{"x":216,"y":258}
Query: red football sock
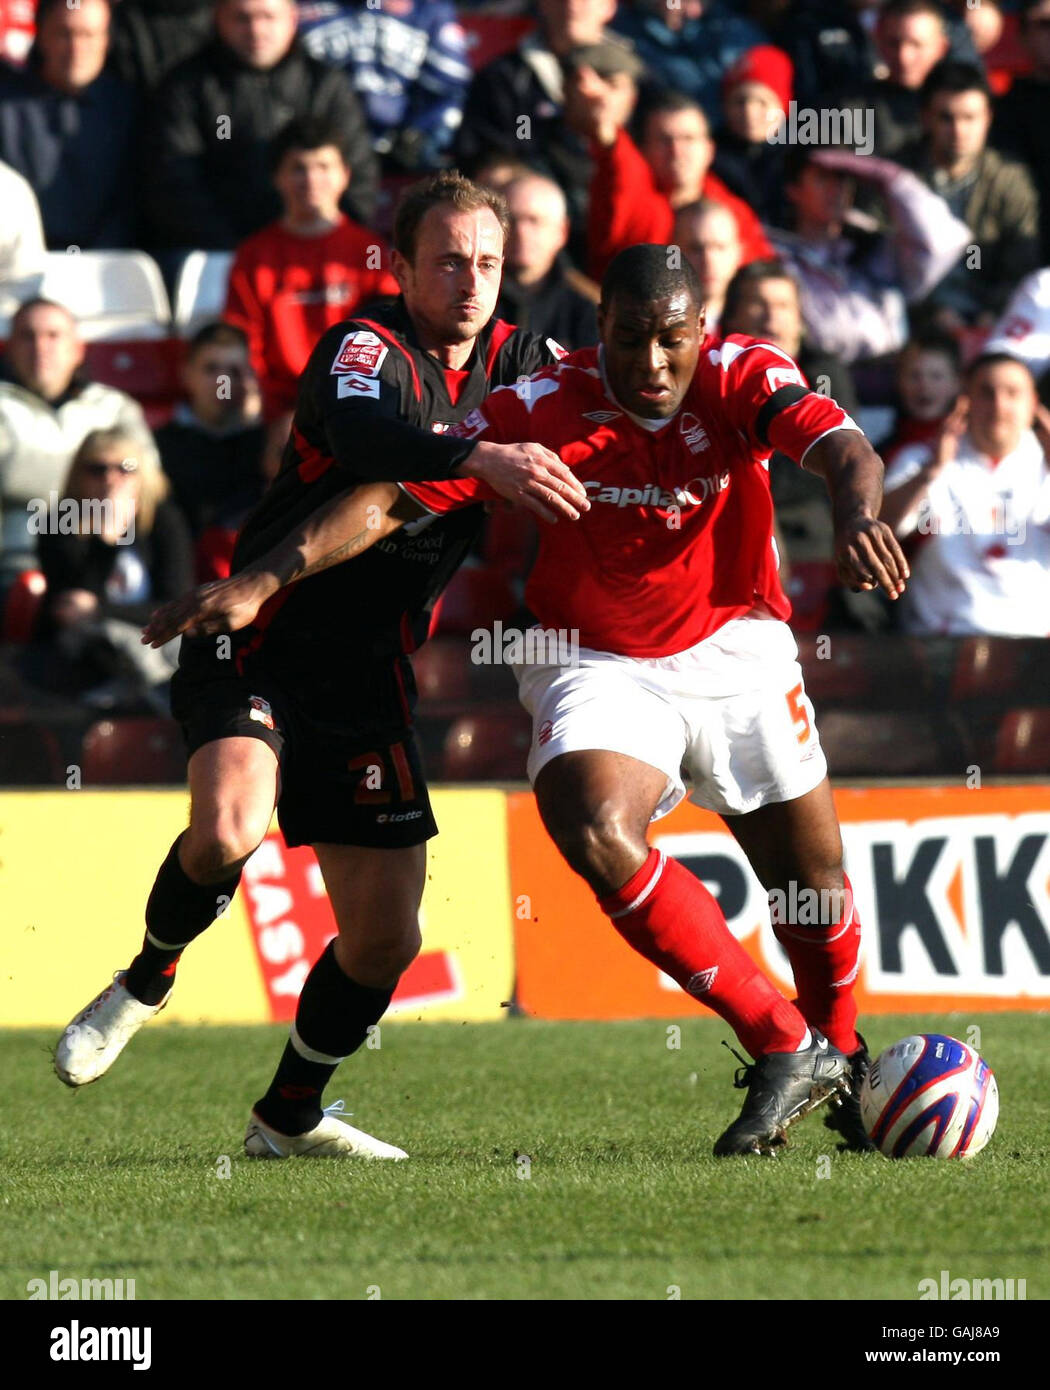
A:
{"x":824,"y":961}
{"x":670,"y":918}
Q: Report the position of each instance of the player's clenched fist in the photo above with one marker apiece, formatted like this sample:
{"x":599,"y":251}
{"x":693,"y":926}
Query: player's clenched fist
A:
{"x":869,"y":557}
{"x":224,"y":605}
{"x":530,"y":475}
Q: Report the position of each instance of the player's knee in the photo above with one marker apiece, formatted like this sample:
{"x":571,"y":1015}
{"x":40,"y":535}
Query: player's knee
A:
{"x":220,"y":842}
{"x":602,"y":845}
{"x":380,"y":962}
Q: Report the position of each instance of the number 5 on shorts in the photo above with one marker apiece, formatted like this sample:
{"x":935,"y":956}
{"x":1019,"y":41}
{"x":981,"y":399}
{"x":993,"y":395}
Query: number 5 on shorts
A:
{"x":799,"y":713}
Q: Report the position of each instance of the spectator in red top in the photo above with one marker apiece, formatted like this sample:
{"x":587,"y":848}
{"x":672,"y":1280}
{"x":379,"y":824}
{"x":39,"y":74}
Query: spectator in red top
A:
{"x":636,"y":189}
{"x":929,"y":378}
{"x":756,"y":98}
{"x":307,"y":271}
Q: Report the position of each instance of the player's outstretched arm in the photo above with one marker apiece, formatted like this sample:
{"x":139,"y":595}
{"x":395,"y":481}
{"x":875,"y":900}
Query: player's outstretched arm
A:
{"x":866,"y":551}
{"x":340,"y":529}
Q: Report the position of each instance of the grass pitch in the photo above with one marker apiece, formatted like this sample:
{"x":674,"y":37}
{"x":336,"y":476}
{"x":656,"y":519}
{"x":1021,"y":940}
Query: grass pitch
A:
{"x":549,"y":1160}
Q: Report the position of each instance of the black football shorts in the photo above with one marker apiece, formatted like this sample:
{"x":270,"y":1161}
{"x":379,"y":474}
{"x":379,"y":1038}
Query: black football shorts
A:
{"x":349,"y":775}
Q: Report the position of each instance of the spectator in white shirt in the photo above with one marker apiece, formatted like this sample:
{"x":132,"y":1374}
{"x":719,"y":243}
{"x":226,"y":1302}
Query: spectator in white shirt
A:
{"x":21,"y":240}
{"x":976,"y":503}
{"x":1024,"y":329}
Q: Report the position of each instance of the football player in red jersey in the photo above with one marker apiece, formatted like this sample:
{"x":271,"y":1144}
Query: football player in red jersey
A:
{"x":684,"y":658}
{"x":309,"y":705}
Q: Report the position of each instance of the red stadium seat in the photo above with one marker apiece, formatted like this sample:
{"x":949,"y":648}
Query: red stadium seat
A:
{"x":490,"y":746}
{"x":809,"y":590}
{"x":985,"y":667}
{"x":1023,"y":742}
{"x":489,"y":36}
{"x":146,"y":369}
{"x":478,"y":596}
{"x":133,"y":752}
{"x":442,"y":670}
{"x":30,"y":755}
{"x":22,"y":607}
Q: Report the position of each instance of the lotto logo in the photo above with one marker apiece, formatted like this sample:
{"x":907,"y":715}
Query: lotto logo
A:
{"x":360,"y":352}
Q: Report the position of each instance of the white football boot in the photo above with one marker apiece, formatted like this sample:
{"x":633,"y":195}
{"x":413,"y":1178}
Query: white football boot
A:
{"x":332,"y":1138}
{"x":99,"y":1033}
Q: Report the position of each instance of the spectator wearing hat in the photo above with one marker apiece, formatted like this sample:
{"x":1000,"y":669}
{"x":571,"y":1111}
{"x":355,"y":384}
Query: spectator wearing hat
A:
{"x":756,"y":98}
{"x":636,"y":188}
{"x":516,"y":104}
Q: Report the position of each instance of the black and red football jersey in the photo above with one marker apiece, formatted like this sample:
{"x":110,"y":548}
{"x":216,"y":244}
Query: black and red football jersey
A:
{"x":373,"y":406}
{"x":679,"y":536}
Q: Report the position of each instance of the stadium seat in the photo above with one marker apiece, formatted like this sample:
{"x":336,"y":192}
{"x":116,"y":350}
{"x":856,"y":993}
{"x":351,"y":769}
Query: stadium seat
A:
{"x":113,"y":294}
{"x":1023,"y":742}
{"x":30,"y":755}
{"x":878,"y":743}
{"x":22,"y":607}
{"x":809,"y":590}
{"x":489,"y":36}
{"x":146,"y":370}
{"x":442,"y":671}
{"x":985,"y":667}
{"x":133,"y":752}
{"x":200,"y":290}
{"x":489,"y":746}
{"x":477,"y":596}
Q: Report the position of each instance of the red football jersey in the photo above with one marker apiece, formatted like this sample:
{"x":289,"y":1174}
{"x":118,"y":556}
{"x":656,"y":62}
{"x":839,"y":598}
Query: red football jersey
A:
{"x":679,"y":537}
{"x":286,"y":290}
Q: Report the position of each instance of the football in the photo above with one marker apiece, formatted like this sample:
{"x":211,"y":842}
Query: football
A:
{"x":929,"y":1096}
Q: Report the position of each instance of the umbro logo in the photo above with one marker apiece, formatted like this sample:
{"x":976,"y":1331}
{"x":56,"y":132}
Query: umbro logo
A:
{"x":601,"y":417}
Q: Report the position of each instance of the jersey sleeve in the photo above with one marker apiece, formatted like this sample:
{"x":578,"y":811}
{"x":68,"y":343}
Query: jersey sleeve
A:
{"x":361,"y":394}
{"x":769,"y":400}
{"x":495,"y":421}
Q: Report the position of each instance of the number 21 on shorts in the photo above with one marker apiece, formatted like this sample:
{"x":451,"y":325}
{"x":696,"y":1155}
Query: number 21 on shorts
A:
{"x":797,"y":703}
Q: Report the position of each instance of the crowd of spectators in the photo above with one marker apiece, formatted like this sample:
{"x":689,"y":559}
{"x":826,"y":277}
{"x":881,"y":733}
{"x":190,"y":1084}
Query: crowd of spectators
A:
{"x":864,"y":183}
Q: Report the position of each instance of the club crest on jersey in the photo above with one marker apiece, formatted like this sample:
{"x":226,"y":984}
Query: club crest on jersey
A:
{"x":694,"y":434}
{"x":260,"y":710}
{"x":361,"y":351}
{"x":469,"y":428}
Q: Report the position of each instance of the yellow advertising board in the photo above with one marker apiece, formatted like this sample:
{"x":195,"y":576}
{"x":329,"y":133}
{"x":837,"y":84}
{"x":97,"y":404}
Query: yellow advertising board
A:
{"x":76,"y":868}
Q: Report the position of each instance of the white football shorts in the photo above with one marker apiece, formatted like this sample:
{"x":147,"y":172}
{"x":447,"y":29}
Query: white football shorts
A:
{"x":730,"y":713}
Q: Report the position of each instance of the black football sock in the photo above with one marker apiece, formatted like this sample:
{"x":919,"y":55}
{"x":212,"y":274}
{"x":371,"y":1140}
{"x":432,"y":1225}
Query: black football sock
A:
{"x":177,"y":911}
{"x":331,"y":1021}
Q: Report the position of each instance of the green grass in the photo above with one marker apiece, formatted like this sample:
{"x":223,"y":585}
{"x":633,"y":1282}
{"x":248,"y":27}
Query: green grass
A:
{"x":623,"y":1199}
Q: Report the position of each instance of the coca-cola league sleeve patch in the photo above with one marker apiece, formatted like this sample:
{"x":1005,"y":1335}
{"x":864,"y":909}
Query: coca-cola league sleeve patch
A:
{"x":362,"y":352}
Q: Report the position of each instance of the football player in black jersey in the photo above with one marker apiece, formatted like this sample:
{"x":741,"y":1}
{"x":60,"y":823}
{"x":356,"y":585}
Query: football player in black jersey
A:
{"x":309,"y":707}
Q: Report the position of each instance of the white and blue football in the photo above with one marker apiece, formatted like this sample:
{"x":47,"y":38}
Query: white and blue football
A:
{"x":929,"y":1096}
